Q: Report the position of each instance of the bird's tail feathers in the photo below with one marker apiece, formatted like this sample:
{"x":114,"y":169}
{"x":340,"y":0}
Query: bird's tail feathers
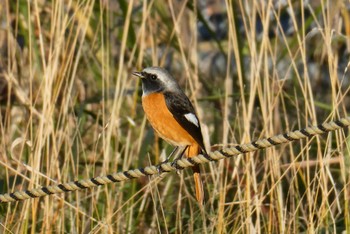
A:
{"x":192,"y":151}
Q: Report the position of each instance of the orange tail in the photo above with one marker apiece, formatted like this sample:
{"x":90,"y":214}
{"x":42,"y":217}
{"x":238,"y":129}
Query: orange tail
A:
{"x":192,"y":151}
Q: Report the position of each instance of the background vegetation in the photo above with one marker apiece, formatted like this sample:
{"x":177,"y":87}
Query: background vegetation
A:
{"x":70,"y":109}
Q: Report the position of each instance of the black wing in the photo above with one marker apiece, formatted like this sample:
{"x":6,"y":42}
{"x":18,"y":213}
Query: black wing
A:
{"x":179,"y":105}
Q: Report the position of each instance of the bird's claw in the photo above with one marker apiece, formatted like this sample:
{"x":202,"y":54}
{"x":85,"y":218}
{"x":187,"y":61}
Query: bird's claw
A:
{"x":159,"y":167}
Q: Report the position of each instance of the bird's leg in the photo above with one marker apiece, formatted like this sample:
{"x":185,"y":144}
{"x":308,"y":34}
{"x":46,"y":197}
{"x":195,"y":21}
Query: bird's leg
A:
{"x":178,"y":158}
{"x":172,"y":153}
{"x":180,"y":155}
{"x":167,"y":159}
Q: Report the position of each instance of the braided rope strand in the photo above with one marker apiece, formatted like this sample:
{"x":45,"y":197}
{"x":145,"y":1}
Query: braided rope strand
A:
{"x":178,"y":164}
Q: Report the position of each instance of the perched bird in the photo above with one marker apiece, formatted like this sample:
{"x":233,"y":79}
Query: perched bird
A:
{"x":172,"y":116}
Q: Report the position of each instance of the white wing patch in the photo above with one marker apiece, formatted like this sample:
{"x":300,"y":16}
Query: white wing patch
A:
{"x":192,"y":118}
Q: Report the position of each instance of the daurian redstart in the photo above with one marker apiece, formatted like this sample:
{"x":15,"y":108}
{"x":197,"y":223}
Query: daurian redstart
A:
{"x":172,"y":116}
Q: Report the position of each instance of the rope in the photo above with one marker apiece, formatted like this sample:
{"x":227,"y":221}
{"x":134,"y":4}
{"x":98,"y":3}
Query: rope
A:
{"x":179,"y":164}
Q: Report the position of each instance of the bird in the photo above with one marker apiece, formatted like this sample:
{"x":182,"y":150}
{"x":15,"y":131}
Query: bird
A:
{"x":172,"y":116}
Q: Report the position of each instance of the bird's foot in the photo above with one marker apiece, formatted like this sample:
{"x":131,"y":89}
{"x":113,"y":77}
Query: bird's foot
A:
{"x":159,"y":166}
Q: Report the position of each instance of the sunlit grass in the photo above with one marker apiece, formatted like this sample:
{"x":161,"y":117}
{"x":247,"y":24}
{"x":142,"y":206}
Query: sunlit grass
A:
{"x":71,"y":110}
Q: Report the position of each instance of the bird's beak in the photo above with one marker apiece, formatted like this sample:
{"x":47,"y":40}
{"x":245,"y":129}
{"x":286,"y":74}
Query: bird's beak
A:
{"x":139,"y":74}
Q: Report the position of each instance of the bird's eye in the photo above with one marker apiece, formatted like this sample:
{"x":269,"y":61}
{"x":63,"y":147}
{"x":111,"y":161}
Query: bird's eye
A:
{"x":153,"y":77}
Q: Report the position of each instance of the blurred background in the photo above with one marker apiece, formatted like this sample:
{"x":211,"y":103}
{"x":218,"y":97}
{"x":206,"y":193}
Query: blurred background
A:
{"x":70,"y":109}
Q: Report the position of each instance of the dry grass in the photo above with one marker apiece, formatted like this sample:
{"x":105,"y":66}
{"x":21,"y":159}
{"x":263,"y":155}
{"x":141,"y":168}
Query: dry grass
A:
{"x":70,"y":109}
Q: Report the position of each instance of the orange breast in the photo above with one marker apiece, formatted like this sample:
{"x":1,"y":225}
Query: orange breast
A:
{"x":163,"y":121}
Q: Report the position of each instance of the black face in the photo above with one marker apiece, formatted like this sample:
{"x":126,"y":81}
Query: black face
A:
{"x":151,"y":83}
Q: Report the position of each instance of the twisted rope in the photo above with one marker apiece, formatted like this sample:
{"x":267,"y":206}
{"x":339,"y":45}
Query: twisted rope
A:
{"x":178,"y":164}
